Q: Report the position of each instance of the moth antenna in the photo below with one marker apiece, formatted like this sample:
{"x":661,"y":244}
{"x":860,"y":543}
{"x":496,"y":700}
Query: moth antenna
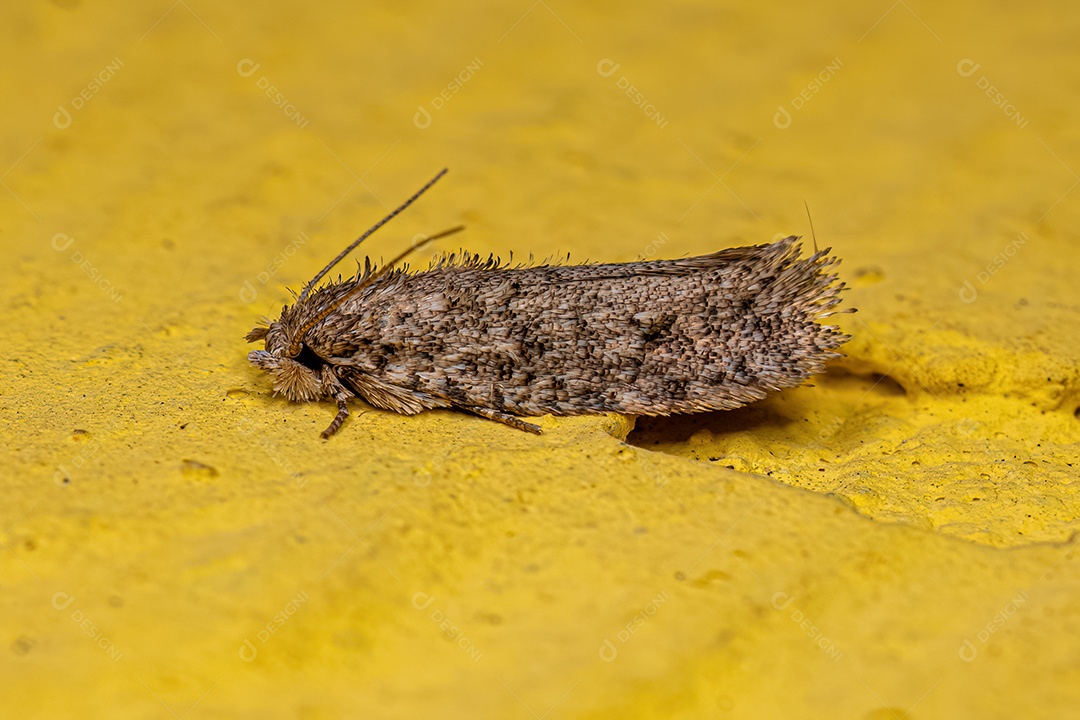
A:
{"x":376,"y":226}
{"x":812,"y":234}
{"x":298,"y":339}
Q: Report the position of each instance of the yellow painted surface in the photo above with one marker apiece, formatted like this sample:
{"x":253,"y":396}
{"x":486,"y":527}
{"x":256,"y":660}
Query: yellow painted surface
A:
{"x":895,"y":541}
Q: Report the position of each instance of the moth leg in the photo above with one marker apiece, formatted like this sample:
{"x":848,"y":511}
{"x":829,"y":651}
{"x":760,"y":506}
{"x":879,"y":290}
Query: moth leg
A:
{"x":342,"y":413}
{"x":505,"y":419}
{"x":332,"y":386}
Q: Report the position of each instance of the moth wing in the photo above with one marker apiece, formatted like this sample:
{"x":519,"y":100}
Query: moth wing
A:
{"x":681,"y":266}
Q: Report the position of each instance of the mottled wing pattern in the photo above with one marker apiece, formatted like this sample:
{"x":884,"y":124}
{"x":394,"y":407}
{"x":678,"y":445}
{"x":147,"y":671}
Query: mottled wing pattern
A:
{"x":702,"y":333}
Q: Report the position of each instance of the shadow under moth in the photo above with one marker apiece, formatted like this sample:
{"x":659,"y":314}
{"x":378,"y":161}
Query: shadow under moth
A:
{"x":656,"y":337}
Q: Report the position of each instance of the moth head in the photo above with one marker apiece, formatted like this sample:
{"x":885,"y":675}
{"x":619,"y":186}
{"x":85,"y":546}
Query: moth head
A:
{"x":297,"y":378}
{"x":296,"y":369}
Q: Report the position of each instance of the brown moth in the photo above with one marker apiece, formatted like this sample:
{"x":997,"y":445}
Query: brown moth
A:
{"x":658,"y":337}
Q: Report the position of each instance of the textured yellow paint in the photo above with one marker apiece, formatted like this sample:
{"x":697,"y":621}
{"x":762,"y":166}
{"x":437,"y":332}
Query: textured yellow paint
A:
{"x":178,"y":542}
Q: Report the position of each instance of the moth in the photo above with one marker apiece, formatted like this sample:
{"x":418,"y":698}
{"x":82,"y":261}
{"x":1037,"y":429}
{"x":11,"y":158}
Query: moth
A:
{"x":502,"y":341}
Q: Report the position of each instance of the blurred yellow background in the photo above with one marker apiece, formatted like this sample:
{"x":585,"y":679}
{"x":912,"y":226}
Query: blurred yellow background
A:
{"x":896,"y":541}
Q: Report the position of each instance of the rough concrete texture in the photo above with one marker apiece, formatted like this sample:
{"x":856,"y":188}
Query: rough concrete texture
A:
{"x":896,"y":541}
